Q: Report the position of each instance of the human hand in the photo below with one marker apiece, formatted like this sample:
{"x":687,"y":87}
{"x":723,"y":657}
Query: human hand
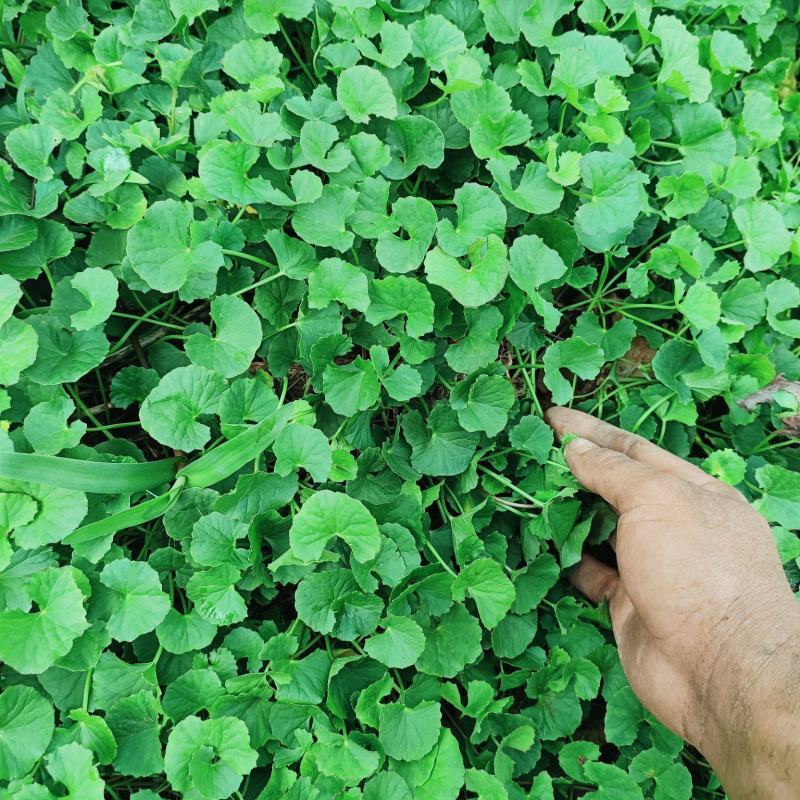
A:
{"x":704,"y":618}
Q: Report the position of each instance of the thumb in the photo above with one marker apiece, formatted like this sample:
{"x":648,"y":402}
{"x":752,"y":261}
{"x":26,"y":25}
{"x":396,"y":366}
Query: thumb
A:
{"x":617,"y":478}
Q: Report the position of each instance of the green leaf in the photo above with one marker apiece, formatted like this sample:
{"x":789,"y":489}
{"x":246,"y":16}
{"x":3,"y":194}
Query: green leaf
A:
{"x":417,"y":217}
{"x":478,"y":348}
{"x":673,"y":781}
{"x":352,"y":387}
{"x":780,"y":501}
{"x":214,"y":538}
{"x":532,"y":436}
{"x":30,"y":147}
{"x":452,"y":643}
{"x":92,"y":732}
{"x":192,"y":8}
{"x":303,"y":446}
{"x":323,"y":222}
{"x":166,"y":247}
{"x":533,"y":264}
{"x":764,"y":233}
{"x":533,"y":190}
{"x":10,"y":290}
{"x":63,"y":356}
{"x":534,"y":583}
{"x":92,"y":299}
{"x":19,"y":343}
{"x":182,"y":633}
{"x":137,"y":603}
{"x":485,"y":404}
{"x":408,"y":734}
{"x":762,"y":118}
{"x":262,"y":16}
{"x":249,"y":59}
{"x":399,"y":645}
{"x":30,"y":641}
{"x":415,"y":141}
{"x":58,"y":511}
{"x":742,"y":178}
{"x":224,"y":170}
{"x":704,"y":138}
{"x":215,"y":597}
{"x":477,"y":284}
{"x":330,"y":602}
{"x":171,"y":413}
{"x":479,"y":213}
{"x":440,"y":774}
{"x":701,"y":306}
{"x":342,"y":758}
{"x":135,"y":723}
{"x":208,"y":756}
{"x":782,"y":296}
{"x":486,"y":583}
{"x":47,"y":429}
{"x":26,"y":727}
{"x":326,"y":515}
{"x":486,"y":786}
{"x":612,"y":782}
{"x":397,"y":296}
{"x":615,"y":189}
{"x":680,"y":65}
{"x":623,"y":715}
{"x":71,"y":765}
{"x":386,"y":786}
{"x":687,"y":193}
{"x":728,"y":52}
{"x":436,"y":40}
{"x":336,"y":280}
{"x":237,"y":337}
{"x":442,"y":446}
{"x":363,"y":92}
{"x":576,"y":354}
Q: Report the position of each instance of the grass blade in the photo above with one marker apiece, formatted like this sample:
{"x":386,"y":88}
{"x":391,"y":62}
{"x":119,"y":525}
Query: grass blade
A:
{"x":137,"y":515}
{"x":101,"y":477}
{"x":222,"y":461}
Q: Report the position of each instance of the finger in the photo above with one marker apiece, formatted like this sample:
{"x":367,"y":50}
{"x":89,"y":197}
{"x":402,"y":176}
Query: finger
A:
{"x":594,"y":579}
{"x":620,"y":480}
{"x":598,"y":582}
{"x":567,"y":420}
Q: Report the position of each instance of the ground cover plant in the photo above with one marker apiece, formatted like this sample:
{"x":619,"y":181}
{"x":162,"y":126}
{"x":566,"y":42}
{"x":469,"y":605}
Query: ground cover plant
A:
{"x":285,"y":286}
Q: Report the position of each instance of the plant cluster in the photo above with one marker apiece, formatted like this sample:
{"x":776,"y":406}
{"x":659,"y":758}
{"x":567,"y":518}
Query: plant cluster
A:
{"x":285,"y":286}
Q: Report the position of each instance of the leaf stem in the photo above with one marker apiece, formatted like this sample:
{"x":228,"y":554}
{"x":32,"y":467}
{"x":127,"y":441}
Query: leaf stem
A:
{"x":511,"y":485}
{"x":87,"y":687}
{"x":248,"y":257}
{"x":300,"y":61}
{"x":86,"y":411}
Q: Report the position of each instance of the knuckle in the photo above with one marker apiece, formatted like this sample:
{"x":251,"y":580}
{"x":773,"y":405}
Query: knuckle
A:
{"x":628,"y":443}
{"x":657,"y":490}
{"x":608,"y":460}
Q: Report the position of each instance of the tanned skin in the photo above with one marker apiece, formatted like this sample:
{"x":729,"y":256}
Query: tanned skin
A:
{"x":707,"y":626}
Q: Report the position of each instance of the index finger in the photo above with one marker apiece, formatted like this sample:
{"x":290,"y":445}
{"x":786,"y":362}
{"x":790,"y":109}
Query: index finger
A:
{"x":568,"y":420}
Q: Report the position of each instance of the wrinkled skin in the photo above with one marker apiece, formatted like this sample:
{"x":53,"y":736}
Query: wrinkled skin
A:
{"x":706,"y":623}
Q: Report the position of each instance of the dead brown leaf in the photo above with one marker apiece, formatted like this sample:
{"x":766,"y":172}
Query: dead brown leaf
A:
{"x":791,"y":424}
{"x":640,"y":353}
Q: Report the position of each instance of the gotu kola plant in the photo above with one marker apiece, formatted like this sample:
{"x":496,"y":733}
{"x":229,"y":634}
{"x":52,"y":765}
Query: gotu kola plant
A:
{"x":284,"y":288}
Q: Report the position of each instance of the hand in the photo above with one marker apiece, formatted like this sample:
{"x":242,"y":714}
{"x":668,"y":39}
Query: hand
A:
{"x":706,"y":623}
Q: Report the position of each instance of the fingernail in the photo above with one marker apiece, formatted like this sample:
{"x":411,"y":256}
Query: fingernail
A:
{"x":579,"y":445}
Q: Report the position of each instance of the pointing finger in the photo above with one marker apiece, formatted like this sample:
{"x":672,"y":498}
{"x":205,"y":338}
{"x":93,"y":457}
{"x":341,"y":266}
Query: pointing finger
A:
{"x":567,"y":420}
{"x":620,"y":480}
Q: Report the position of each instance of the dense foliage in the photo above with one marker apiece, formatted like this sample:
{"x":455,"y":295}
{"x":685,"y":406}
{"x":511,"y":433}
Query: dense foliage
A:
{"x":285,"y":286}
